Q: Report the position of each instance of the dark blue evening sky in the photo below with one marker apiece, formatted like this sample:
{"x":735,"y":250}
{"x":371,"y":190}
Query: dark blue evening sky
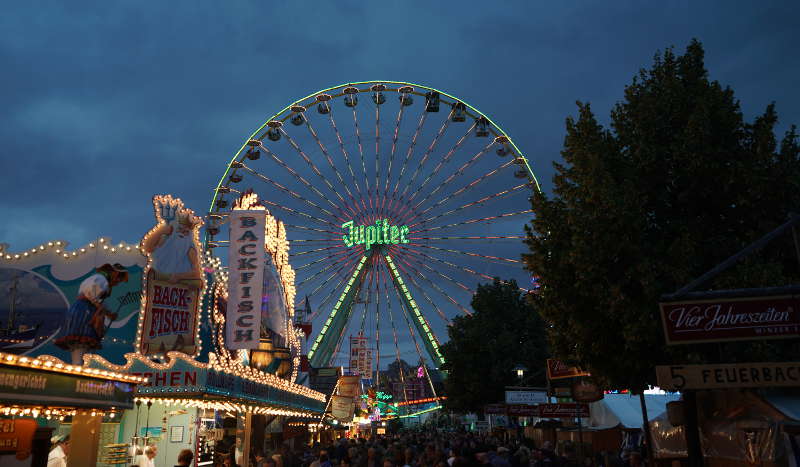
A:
{"x":106,"y":103}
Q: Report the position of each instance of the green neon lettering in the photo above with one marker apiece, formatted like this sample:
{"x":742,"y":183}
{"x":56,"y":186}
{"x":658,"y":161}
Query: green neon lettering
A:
{"x":370,"y":237}
{"x":403,"y":233}
{"x":348,"y":237}
{"x":381,"y":233}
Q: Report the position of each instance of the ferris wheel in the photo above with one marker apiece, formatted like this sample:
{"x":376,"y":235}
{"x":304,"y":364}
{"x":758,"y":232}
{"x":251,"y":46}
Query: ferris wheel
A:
{"x":398,"y":200}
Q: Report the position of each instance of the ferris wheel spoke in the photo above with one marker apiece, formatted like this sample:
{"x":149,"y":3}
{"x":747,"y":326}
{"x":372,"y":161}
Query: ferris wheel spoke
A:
{"x":482,"y":238}
{"x":430,"y":301}
{"x":412,"y":333}
{"x":466,"y":187}
{"x":342,"y":256}
{"x":394,"y":335}
{"x":427,"y":154}
{"x":448,"y":263}
{"x":336,"y":288}
{"x":422,"y":276}
{"x":290,"y":192}
{"x":439,"y":165}
{"x":468,"y":253}
{"x":377,"y":315}
{"x":346,"y":157}
{"x":312,"y":229}
{"x":302,"y":241}
{"x":361,"y":153}
{"x":473,"y":221}
{"x":298,"y":213}
{"x":425,"y":265}
{"x":318,"y":250}
{"x":299,"y":177}
{"x":394,"y":143}
{"x":328,"y":157}
{"x":315,"y":169}
{"x":452,"y":177}
{"x":377,"y":158}
{"x":409,"y":152}
{"x":412,"y":311}
{"x":483,"y":200}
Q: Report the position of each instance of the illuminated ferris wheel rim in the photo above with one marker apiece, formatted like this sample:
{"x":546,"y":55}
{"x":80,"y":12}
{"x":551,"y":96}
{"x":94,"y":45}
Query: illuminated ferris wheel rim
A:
{"x":393,"y":271}
{"x":311,"y":99}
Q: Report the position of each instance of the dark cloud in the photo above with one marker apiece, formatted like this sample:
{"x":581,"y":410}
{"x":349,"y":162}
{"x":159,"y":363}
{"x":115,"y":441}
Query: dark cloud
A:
{"x":106,"y":104}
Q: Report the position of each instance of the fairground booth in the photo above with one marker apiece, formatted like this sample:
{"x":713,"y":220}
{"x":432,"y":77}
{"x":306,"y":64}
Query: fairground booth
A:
{"x":112,"y":351}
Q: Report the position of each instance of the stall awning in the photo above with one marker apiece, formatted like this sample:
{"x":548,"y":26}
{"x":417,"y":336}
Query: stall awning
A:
{"x":215,"y":386}
{"x":48,"y":382}
{"x":625,"y":411}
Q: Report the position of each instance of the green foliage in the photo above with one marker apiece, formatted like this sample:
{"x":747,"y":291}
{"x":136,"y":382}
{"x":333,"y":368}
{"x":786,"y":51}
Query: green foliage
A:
{"x":678,"y":184}
{"x":505,"y":330}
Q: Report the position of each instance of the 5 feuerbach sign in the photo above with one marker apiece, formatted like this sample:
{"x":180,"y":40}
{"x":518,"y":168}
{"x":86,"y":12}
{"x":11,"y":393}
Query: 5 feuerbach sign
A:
{"x":728,"y":376}
{"x":719,"y":320}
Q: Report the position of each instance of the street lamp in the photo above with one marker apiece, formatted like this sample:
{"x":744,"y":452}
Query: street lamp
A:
{"x":520,"y":371}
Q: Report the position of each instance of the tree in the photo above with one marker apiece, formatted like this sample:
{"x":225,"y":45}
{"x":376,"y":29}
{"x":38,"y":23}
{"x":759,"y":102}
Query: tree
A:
{"x":505,"y":330}
{"x":679,"y":183}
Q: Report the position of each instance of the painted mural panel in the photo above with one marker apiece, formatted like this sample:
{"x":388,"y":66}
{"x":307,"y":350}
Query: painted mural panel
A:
{"x":69,"y":304}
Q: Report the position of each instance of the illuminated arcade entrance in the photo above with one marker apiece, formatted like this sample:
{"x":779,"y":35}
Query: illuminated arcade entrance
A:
{"x":397,"y":199}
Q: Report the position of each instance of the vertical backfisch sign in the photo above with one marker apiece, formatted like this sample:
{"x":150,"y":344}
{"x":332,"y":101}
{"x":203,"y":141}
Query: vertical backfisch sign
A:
{"x":173,"y":280}
{"x":246,"y":278}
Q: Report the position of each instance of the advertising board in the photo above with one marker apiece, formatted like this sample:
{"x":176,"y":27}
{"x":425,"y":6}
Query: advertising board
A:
{"x":720,"y":320}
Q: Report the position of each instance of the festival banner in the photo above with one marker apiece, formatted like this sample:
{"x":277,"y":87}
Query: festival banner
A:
{"x":348,"y":386}
{"x":246,"y":259}
{"x":342,"y":408}
{"x":173,"y":280}
{"x":720,"y":320}
{"x":564,"y":410}
{"x":526,"y":397}
{"x":556,"y":369}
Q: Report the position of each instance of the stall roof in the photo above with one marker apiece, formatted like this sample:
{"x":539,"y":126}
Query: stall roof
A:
{"x":625,"y":411}
{"x":786,"y":404}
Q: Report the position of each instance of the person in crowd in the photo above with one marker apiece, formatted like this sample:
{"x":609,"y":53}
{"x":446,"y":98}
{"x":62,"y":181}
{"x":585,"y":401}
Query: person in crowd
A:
{"x":185,"y":458}
{"x":148,"y":459}
{"x":324,"y":461}
{"x":500,"y":457}
{"x":289,"y":458}
{"x":58,"y":455}
{"x":635,"y":459}
{"x":372,"y":459}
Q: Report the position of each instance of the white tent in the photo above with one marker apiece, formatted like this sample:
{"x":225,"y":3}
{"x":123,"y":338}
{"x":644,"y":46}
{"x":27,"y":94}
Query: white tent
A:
{"x":625,"y":410}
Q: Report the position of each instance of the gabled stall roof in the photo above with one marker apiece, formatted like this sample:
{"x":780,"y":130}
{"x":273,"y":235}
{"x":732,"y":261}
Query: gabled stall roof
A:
{"x":625,"y":411}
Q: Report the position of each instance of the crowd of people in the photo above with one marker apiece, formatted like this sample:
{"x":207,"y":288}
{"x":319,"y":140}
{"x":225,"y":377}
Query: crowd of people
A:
{"x":438,"y":449}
